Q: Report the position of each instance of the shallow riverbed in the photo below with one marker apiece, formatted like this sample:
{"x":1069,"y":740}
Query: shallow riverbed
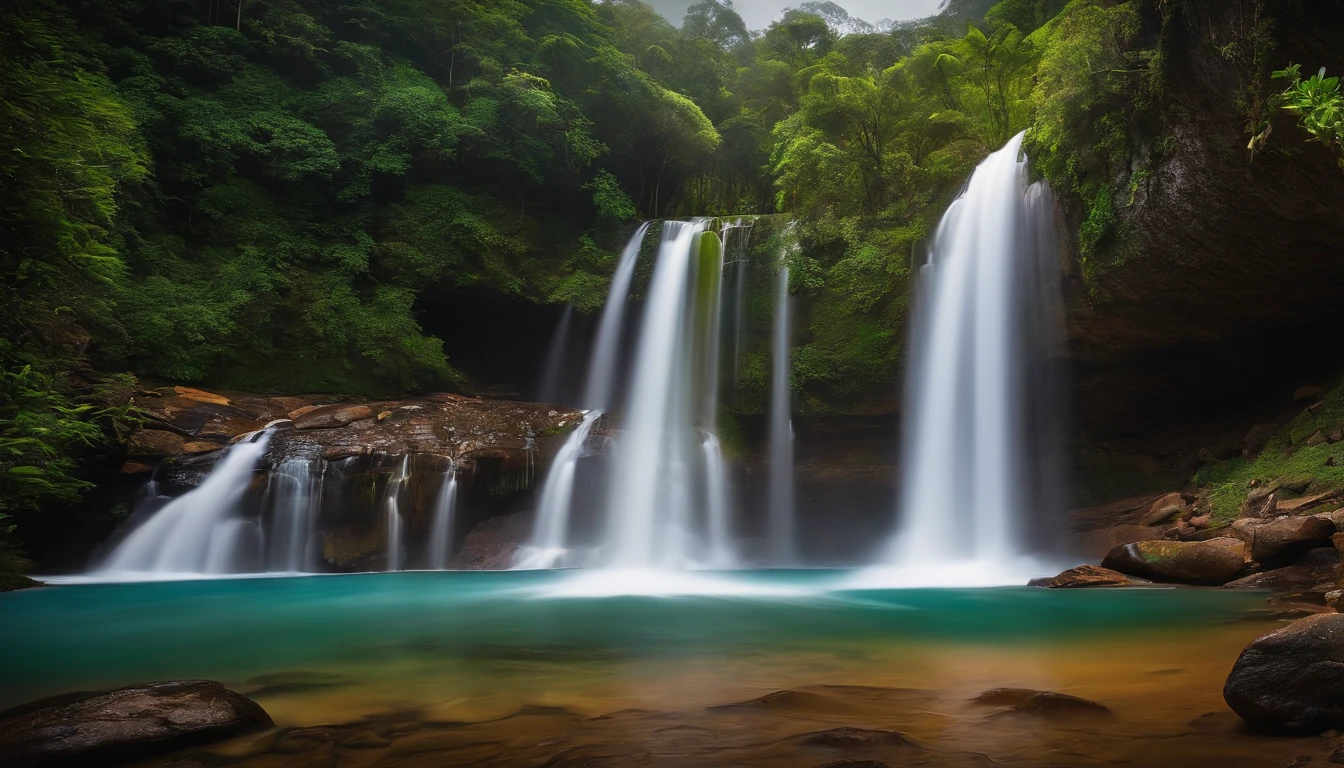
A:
{"x":538,"y":669}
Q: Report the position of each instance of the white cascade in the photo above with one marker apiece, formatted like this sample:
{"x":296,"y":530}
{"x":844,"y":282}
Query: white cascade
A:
{"x":781,"y":497}
{"x":396,"y":553}
{"x":195,"y":533}
{"x":984,"y":306}
{"x":441,"y":527}
{"x":293,"y":498}
{"x":549,"y":547}
{"x":606,"y":347}
{"x":647,"y":503}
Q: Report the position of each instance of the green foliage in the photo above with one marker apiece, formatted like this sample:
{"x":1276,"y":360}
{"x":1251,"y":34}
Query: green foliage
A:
{"x":1318,"y":102}
{"x":1286,"y":459}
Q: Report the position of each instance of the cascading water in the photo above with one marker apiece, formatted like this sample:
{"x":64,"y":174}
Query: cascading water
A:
{"x":781,"y":515}
{"x":549,"y":545}
{"x":602,"y":366}
{"x":195,"y":533}
{"x":553,"y":370}
{"x":984,"y":306}
{"x":293,"y":498}
{"x":441,"y":529}
{"x":396,"y":554}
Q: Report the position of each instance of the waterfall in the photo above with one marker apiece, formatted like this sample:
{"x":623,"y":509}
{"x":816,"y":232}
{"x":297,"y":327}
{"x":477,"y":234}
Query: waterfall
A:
{"x":293,"y":497}
{"x":549,"y":545}
{"x":391,"y":501}
{"x":646,"y":512}
{"x":441,"y":529}
{"x":552,"y":376}
{"x":982,"y":312}
{"x":602,"y":366}
{"x":722,"y":554}
{"x":781,"y":516}
{"x":195,"y":533}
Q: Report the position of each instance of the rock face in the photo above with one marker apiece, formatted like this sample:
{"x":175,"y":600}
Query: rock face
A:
{"x":1290,"y":680}
{"x":129,"y":722}
{"x":1025,"y":701}
{"x":1284,"y":537}
{"x":1212,"y":562}
{"x":1083,"y":576}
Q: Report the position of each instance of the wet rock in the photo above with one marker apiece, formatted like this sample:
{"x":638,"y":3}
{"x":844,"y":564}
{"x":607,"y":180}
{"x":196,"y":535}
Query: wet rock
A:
{"x":1260,"y":503}
{"x":1284,"y":537}
{"x":1216,"y":561}
{"x":1097,"y":544}
{"x":300,"y":411}
{"x":1289,"y":680}
{"x":491,"y":545}
{"x":331,"y":416}
{"x":1164,"y":509}
{"x":154,"y":443}
{"x":200,"y":446}
{"x":1045,"y":703}
{"x":134,"y":721}
{"x":1083,"y":576}
{"x":136,"y":468}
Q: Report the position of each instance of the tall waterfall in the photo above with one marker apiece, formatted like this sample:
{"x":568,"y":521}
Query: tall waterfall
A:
{"x":196,"y":532}
{"x":986,"y":302}
{"x":441,"y":530}
{"x":396,"y":554}
{"x":781,"y":540}
{"x":667,"y":492}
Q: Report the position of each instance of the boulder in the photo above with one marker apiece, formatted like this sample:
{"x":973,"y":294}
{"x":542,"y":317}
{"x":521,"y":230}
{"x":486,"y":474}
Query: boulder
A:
{"x":154,"y":443}
{"x":200,"y":446}
{"x":1289,"y":680}
{"x":1216,"y":561}
{"x":1284,"y":537}
{"x":1163,"y":509}
{"x":1083,"y":576}
{"x":331,"y":416}
{"x":130,"y":722}
{"x":200,"y":396}
{"x":1261,"y":502}
{"x":1097,"y":544}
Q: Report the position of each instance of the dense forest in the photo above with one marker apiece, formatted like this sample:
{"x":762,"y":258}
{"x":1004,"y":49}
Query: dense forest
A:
{"x":265,"y":194}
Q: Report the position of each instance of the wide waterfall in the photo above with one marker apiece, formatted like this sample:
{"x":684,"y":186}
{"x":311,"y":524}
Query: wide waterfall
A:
{"x":987,"y":306}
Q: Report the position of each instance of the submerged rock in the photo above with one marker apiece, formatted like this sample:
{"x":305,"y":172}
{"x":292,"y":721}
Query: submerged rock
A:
{"x":1290,"y":680}
{"x":1044,"y":703}
{"x":1083,"y":576}
{"x":128,"y":722}
{"x":1212,"y":562}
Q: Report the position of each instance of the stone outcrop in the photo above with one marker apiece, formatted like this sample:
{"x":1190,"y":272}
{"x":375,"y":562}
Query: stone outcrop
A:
{"x":1282,"y":538}
{"x":1289,"y":680}
{"x":137,"y":721}
{"x":1084,"y":576}
{"x":1213,"y":562}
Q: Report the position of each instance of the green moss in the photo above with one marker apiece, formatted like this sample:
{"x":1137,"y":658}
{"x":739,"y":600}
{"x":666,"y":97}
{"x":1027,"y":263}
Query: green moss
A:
{"x":1286,"y":459}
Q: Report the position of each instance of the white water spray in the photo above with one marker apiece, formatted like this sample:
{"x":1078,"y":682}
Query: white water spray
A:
{"x":395,"y":524}
{"x":549,"y":546}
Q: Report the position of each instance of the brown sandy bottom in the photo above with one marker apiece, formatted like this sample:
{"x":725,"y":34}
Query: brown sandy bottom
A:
{"x":864,"y":706}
